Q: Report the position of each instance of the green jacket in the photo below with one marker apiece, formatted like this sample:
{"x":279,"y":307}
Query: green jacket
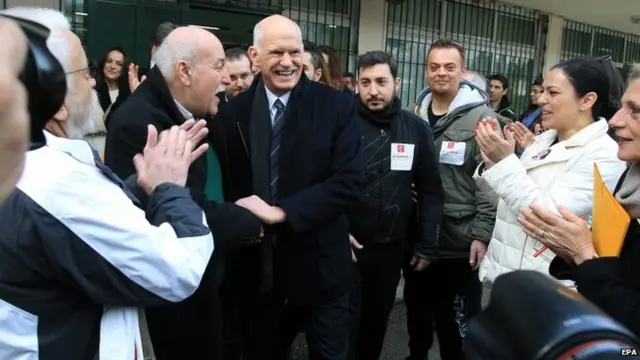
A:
{"x":469,"y":213}
{"x":508,"y":113}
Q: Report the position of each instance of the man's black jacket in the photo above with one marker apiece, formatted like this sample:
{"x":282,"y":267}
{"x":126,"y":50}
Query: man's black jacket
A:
{"x":320,"y":179}
{"x":387,"y":212}
{"x":184,"y":326}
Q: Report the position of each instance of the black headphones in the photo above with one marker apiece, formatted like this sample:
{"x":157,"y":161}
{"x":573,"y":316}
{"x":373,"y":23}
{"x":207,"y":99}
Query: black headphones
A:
{"x":43,"y":77}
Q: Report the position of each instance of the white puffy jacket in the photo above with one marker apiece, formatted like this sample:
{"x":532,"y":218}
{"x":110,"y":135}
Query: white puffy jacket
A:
{"x":549,"y":176}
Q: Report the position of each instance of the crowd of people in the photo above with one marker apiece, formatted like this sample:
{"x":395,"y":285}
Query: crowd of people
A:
{"x":167,"y":218}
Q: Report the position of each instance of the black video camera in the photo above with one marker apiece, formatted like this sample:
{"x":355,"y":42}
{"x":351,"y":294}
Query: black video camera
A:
{"x":532,"y":317}
{"x":43,"y":77}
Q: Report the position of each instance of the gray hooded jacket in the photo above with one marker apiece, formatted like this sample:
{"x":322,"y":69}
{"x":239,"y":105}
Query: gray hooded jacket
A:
{"x":469,"y":214}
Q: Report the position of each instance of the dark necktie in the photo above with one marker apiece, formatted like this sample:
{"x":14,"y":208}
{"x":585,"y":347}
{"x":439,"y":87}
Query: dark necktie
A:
{"x":113,"y":177}
{"x":276,"y":135}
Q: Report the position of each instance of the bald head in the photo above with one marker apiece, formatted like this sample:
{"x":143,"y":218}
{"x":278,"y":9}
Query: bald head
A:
{"x":277,"y":53}
{"x":192,"y":63}
{"x":184,"y":44}
{"x":274,"y":26}
{"x":476,"y":78}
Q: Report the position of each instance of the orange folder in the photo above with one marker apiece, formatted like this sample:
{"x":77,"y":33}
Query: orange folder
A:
{"x":610,"y":220}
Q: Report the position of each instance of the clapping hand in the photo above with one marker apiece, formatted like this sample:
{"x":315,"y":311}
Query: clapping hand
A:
{"x":266,"y":213}
{"x":165,"y":158}
{"x":493,"y":146}
{"x":566,"y":234}
{"x":133,"y":77}
{"x":523,"y":136}
{"x":196,"y":132}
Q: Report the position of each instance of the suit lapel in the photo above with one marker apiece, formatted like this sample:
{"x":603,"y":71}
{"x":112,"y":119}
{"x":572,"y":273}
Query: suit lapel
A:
{"x":294,"y":132}
{"x":260,"y":142}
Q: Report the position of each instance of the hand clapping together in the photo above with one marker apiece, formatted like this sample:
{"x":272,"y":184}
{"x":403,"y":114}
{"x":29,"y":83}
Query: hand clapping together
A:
{"x":494,"y":147}
{"x":166,"y":157}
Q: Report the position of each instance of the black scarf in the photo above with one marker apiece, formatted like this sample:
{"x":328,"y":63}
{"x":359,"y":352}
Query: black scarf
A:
{"x":381,"y":117}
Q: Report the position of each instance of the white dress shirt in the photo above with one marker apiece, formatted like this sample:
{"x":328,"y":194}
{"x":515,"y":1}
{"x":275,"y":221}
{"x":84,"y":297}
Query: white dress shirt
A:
{"x":271,"y":97}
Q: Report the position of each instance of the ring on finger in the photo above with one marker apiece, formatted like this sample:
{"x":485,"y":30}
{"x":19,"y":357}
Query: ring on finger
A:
{"x":540,"y":233}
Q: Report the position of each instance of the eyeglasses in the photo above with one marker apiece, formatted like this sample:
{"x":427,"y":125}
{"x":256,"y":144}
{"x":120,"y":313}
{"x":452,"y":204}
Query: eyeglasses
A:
{"x":88,"y":72}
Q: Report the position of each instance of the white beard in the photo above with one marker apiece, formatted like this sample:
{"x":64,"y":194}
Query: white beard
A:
{"x":80,"y":120}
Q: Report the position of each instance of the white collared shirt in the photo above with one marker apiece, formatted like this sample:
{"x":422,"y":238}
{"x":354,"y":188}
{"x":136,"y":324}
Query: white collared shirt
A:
{"x":187,"y":115}
{"x":271,"y":97}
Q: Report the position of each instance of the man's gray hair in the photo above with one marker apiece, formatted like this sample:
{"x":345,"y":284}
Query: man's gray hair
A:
{"x":170,"y":52}
{"x":634,"y":74}
{"x":57,"y":24}
{"x":477,"y":79}
{"x":258,"y":35}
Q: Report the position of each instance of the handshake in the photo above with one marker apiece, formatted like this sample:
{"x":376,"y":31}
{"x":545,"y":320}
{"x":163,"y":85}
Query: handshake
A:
{"x":266,"y":213}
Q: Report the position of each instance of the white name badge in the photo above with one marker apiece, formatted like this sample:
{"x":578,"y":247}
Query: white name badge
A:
{"x":452,"y":153}
{"x":402,"y":156}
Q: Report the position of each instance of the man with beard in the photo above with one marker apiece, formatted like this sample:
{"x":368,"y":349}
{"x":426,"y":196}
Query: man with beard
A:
{"x":398,"y":151}
{"x":295,"y":149}
{"x":449,"y":292}
{"x":500,"y":103}
{"x":189,"y":66}
{"x":79,"y":256}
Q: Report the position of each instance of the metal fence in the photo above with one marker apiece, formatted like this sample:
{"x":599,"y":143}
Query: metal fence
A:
{"x":580,"y":39}
{"x":76,"y":13}
{"x":328,"y":22}
{"x":325,"y":22}
{"x":498,"y":39}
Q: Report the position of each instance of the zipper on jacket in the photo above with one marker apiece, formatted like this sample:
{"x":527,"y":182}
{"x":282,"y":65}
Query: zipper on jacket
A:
{"x":526,"y":240}
{"x":381,"y":167}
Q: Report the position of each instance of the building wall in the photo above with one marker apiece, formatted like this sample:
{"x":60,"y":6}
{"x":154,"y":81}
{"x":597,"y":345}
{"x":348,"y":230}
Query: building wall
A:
{"x":498,"y":38}
{"x":50,"y":4}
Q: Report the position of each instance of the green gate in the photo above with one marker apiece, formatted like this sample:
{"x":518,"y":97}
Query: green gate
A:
{"x":128,"y":23}
{"x":497,"y":38}
{"x":580,"y":39}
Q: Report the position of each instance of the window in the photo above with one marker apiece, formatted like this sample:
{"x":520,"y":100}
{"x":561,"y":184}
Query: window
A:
{"x":517,"y":69}
{"x":334,"y":6}
{"x":608,"y":43}
{"x":633,"y":51}
{"x":333,"y":35}
{"x":421,"y":14}
{"x":512,"y":29}
{"x":469,"y":20}
{"x":76,"y":13}
{"x":410,"y":58}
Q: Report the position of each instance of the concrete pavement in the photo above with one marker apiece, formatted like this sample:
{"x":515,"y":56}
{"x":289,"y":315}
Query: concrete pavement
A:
{"x":395,"y":344}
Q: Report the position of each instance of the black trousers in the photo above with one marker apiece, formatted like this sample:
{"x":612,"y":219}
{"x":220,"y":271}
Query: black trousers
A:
{"x":446,"y":294}
{"x":326,"y":329}
{"x":376,"y":277}
{"x":190,"y":329}
{"x":241,"y":303}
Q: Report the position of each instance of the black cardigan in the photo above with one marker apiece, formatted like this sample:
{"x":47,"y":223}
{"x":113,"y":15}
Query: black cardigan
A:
{"x":612,"y":284}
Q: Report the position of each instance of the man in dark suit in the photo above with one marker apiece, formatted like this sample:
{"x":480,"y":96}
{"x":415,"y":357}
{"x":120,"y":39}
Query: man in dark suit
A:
{"x":189,"y":66}
{"x":297,"y":164}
